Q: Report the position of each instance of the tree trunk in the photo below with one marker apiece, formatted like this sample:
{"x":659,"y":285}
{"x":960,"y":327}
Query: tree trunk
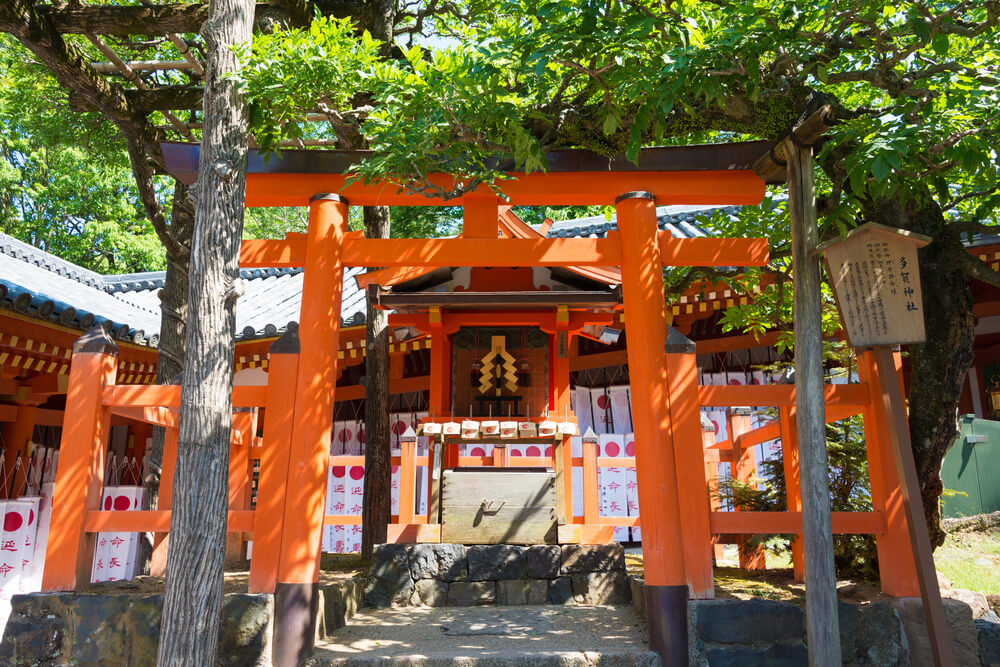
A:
{"x":378,"y":17}
{"x":377,"y":509}
{"x":939,"y":367}
{"x":170,"y":360}
{"x":195,"y":563}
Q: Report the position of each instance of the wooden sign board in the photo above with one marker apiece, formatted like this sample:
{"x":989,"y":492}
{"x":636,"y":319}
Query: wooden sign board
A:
{"x":876,"y":283}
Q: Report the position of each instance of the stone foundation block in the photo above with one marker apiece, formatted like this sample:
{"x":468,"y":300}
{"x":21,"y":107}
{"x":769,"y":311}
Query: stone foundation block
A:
{"x":560,"y":591}
{"x":245,"y":632}
{"x":638,"y":586}
{"x":471,"y":593}
{"x":494,"y":562}
{"x":989,"y":643}
{"x":143,"y":630}
{"x":964,"y":638}
{"x":579,"y":558}
{"x":389,"y":580}
{"x":522,"y":591}
{"x":430,"y":593}
{"x":98,"y":623}
{"x":601,"y":588}
{"x":748,"y":621}
{"x":792,"y":654}
{"x":871,"y":634}
{"x":544,"y":561}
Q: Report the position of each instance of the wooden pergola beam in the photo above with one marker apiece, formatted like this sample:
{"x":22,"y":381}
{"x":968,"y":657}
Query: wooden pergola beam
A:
{"x":125,"y":20}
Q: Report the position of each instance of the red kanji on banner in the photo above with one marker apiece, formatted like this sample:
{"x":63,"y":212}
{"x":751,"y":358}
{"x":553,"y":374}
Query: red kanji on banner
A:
{"x":117,"y":542}
{"x":114,"y":562}
{"x":8,"y":545}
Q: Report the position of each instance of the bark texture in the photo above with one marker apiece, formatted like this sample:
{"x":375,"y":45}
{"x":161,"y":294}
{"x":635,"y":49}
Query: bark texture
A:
{"x":377,"y":16}
{"x":939,"y":366}
{"x":191,"y":608}
{"x":376,"y":511}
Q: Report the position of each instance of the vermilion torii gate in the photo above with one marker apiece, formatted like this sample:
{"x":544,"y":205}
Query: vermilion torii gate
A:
{"x":673,"y":502}
{"x":289,"y":518}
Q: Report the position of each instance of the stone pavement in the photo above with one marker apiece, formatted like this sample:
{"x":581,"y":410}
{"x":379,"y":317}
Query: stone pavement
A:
{"x":495,"y":635}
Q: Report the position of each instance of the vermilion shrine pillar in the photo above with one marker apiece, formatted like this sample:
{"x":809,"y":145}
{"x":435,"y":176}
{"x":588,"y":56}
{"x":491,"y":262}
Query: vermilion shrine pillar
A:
{"x":646,"y":330}
{"x":296,"y":594}
{"x":69,"y":553}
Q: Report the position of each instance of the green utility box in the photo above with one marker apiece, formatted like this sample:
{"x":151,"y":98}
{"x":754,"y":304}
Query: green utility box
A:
{"x":972,"y":467}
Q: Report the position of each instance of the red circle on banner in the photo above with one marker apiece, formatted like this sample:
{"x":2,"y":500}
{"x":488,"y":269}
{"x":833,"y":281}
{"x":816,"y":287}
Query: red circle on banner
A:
{"x":754,"y":381}
{"x":107,"y":503}
{"x":338,"y":471}
{"x":395,"y":469}
{"x":12,"y":521}
{"x":602,"y":402}
{"x":735,"y":381}
{"x":629,"y":449}
{"x":477,"y":451}
{"x":361,"y":437}
{"x":516,"y":452}
{"x":399,"y":427}
{"x":357,"y":472}
{"x":548,"y":451}
{"x":715,"y":425}
{"x":612,"y":449}
{"x":122,"y":503}
{"x":31,"y":516}
{"x":533,"y":451}
{"x":135,"y":503}
{"x":345,"y":435}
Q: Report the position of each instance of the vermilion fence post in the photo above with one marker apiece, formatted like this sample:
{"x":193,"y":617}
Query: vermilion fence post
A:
{"x":689,"y":456}
{"x":790,"y":461}
{"x":269,"y":515}
{"x":80,"y":475}
{"x":897,"y":568}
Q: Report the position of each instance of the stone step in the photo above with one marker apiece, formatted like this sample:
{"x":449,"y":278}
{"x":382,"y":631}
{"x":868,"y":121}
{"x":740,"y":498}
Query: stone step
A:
{"x":510,"y":658}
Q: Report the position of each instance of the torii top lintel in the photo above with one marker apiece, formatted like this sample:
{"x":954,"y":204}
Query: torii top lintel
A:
{"x":710,"y":174}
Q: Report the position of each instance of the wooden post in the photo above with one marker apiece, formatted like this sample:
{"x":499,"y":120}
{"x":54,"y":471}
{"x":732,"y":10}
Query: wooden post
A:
{"x":243,"y":431}
{"x":296,"y":594}
{"x":822,"y":628}
{"x":646,"y":329}
{"x":743,"y":468}
{"x":165,"y":501}
{"x":692,"y":487}
{"x":590,"y":497}
{"x":790,"y":463}
{"x":17,"y":438}
{"x":69,"y":553}
{"x":269,"y":516}
{"x":906,"y":470}
{"x":407,"y":479}
{"x":712,"y":481}
{"x":500,"y":455}
{"x":896,"y":564}
{"x":436,"y":461}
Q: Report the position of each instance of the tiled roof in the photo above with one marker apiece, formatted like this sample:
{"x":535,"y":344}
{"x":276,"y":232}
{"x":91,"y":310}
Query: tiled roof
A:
{"x":44,"y":286}
{"x":679,"y":220}
{"x":41,"y":285}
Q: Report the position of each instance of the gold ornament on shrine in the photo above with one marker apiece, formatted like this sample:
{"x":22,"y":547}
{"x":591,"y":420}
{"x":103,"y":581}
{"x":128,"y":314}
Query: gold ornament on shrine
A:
{"x":497,"y":365}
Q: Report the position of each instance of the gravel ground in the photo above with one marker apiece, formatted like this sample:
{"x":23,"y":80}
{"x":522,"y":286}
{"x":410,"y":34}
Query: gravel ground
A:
{"x":473,"y":630}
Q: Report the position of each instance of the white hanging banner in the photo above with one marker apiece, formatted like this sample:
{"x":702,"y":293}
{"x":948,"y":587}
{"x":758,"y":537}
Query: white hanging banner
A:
{"x":583,"y":408}
{"x":631,"y":487}
{"x":15,"y":515}
{"x":611,"y":483}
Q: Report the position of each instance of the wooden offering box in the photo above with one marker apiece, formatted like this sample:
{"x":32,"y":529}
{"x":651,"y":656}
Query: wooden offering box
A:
{"x":498,"y":506}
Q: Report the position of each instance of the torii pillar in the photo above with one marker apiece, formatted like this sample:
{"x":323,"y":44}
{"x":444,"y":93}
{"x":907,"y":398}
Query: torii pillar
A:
{"x":297,"y":592}
{"x":646,"y":330}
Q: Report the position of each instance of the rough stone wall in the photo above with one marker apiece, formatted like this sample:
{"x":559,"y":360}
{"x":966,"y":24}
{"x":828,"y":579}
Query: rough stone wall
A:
{"x":457,"y":575}
{"x":741,"y":632}
{"x":94,"y":629}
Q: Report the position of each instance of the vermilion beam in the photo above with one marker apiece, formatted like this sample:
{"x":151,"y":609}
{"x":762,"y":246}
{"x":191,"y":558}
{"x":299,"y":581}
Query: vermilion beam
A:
{"x":732,"y":523}
{"x":720,"y":188}
{"x":412,"y":253}
{"x":777,"y":394}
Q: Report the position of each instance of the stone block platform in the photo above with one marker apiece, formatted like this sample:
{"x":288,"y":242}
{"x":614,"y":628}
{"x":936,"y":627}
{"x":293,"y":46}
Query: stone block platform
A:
{"x":456,"y":575}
